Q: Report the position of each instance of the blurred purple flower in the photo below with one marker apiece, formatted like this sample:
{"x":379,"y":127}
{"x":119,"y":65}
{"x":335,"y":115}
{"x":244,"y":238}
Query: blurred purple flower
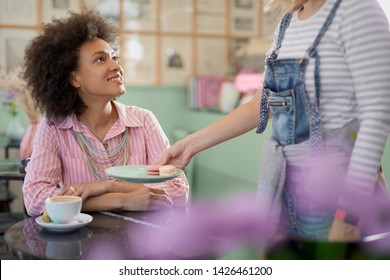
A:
{"x":376,"y":227}
{"x":211,"y":227}
{"x":105,"y":249}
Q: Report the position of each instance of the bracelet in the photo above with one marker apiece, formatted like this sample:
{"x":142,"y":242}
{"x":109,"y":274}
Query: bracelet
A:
{"x":347,"y":218}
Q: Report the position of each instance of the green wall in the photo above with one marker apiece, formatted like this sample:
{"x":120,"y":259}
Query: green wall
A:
{"x":229,"y":167}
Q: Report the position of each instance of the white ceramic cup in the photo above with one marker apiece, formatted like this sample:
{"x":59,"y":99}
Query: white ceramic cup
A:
{"x":63,"y":209}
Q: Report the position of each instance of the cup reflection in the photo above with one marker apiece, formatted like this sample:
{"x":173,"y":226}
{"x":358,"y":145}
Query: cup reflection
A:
{"x":64,"y":246}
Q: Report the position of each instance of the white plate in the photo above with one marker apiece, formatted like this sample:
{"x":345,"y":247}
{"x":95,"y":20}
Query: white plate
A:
{"x":79,"y":221}
{"x":138,"y":174}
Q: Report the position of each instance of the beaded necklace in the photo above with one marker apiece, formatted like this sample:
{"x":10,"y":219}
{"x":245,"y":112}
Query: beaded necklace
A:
{"x":100,"y":159}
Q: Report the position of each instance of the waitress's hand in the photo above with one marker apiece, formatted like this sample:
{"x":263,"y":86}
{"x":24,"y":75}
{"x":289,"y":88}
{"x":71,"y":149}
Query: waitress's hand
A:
{"x":178,"y":155}
{"x":341,"y":231}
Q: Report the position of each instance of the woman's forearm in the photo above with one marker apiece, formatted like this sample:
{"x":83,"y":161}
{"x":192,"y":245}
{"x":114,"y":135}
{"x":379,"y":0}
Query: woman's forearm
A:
{"x":142,"y":199}
{"x":117,"y":186}
{"x":237,"y":122}
{"x":105,"y":202}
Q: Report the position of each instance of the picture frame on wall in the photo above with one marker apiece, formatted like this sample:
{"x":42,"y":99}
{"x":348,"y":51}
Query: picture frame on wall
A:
{"x":176,"y":59}
{"x":211,"y":56}
{"x":244,"y":4}
{"x":108,"y":8}
{"x":18,"y":12}
{"x":140,"y":56}
{"x":211,"y":16}
{"x":140,"y":15}
{"x":244,"y":18}
{"x":12,"y":45}
{"x":176,"y":16}
{"x":58,"y":9}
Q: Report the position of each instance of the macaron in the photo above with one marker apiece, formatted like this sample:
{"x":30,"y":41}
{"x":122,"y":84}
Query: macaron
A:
{"x":167,"y":170}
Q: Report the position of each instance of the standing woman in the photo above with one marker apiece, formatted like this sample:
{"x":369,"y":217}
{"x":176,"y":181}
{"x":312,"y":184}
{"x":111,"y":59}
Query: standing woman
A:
{"x":327,"y":87}
{"x":74,"y":76}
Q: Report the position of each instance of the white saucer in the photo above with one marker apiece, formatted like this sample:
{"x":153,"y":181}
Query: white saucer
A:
{"x":79,"y":221}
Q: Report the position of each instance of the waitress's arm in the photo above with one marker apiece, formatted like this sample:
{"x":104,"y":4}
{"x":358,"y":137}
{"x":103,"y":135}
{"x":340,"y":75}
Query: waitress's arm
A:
{"x":237,"y":122}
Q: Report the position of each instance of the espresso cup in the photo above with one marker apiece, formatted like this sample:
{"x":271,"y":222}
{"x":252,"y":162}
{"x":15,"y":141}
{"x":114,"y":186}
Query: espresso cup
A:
{"x":63,"y":209}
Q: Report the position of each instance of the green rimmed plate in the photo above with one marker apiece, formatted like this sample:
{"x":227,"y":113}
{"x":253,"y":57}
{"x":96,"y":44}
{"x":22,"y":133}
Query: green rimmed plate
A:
{"x":138,"y":174}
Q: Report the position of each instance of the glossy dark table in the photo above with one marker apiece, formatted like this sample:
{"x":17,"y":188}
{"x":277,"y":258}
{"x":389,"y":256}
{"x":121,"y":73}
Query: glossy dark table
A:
{"x":137,"y":235}
{"x":114,"y":236}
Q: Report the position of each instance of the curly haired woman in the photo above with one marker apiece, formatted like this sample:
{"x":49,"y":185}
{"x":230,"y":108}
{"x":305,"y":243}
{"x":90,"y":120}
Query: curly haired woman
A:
{"x":74,"y":76}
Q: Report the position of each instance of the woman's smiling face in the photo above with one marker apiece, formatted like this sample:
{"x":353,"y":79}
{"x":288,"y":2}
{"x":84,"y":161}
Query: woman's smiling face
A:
{"x":99,"y":73}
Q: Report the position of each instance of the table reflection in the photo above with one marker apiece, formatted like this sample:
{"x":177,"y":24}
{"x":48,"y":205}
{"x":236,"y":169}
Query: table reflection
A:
{"x":110,"y":236}
{"x":207,"y":230}
{"x":62,"y":246}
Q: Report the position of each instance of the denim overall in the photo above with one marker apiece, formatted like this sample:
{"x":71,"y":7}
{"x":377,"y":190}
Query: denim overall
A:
{"x":296,"y":119}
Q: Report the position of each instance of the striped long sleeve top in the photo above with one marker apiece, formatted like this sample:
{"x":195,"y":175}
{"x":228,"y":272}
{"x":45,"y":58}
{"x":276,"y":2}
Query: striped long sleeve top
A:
{"x":355,"y":79}
{"x":58,"y":159}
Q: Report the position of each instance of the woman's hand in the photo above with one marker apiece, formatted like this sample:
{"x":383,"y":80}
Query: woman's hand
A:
{"x":86,"y":190}
{"x":178,"y":155}
{"x":341,"y":231}
{"x":146,"y":199}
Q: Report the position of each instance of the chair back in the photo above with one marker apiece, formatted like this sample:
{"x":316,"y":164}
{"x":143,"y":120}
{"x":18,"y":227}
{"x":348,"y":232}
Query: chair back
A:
{"x":23,"y":165}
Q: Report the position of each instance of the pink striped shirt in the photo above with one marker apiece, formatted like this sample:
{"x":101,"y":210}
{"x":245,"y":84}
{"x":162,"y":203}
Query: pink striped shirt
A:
{"x":57,"y":158}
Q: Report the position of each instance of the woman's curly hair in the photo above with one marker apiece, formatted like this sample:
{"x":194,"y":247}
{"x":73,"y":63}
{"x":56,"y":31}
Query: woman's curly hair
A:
{"x":52,"y":56}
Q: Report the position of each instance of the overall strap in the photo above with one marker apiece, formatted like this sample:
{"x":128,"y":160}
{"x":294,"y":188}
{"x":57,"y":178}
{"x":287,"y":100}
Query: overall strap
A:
{"x":284,"y":23}
{"x":315,"y":120}
{"x":312,"y":50}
